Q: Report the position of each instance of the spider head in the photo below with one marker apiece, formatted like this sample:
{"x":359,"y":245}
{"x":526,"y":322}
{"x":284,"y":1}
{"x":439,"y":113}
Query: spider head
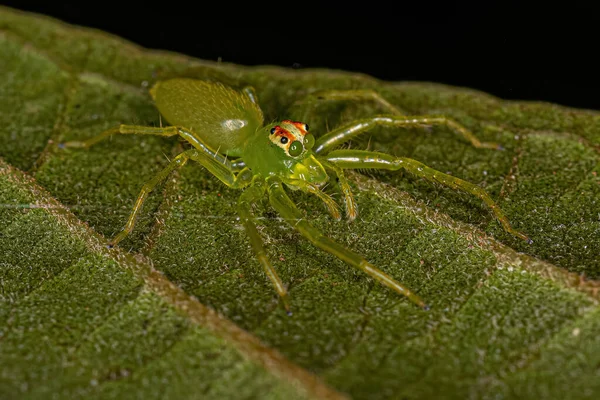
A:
{"x":292,"y":137}
{"x":296,"y":142}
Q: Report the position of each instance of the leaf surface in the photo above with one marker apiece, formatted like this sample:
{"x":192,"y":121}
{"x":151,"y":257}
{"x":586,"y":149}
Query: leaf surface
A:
{"x":508,"y":319}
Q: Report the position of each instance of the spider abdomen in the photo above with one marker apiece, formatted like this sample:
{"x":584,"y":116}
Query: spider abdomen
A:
{"x":223,"y":118}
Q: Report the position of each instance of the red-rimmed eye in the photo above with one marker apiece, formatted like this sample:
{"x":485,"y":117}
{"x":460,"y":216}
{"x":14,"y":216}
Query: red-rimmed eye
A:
{"x":281,"y":135}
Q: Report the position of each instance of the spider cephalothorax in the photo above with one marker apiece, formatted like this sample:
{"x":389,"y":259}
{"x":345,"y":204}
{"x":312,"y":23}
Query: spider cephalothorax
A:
{"x":284,"y":149}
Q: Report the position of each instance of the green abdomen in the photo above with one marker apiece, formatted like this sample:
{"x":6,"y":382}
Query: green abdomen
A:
{"x":221,"y":117}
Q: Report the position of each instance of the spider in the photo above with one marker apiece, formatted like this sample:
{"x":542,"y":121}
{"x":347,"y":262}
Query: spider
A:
{"x":230,"y":139}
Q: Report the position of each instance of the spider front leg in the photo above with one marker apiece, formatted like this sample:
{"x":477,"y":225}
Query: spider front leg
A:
{"x":331,"y":205}
{"x":355,"y":159}
{"x":338,"y":136}
{"x":349,"y":202}
{"x":250,"y":196}
{"x":288,"y":210}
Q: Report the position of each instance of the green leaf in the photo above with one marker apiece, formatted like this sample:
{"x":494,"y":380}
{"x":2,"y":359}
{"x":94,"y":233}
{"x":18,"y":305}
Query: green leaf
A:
{"x":77,"y":320}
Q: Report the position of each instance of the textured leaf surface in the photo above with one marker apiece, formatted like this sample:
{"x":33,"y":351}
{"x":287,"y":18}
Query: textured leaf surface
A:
{"x":508,"y":319}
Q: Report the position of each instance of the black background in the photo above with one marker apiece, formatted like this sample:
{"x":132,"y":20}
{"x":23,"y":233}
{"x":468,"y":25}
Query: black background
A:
{"x":515,"y":51}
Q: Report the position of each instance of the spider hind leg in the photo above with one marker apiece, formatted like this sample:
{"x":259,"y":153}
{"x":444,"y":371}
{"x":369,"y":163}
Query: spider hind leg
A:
{"x":123,"y":130}
{"x":175,"y":164}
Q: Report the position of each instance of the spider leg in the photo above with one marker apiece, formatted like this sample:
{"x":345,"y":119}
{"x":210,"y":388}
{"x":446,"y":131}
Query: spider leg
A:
{"x":248,"y":197}
{"x":222,"y":171}
{"x":331,"y":205}
{"x":349,"y":202}
{"x":338,"y":136}
{"x":286,"y":207}
{"x":166,"y":131}
{"x":122,"y":129}
{"x":355,"y":95}
{"x":238,"y":165}
{"x":176,"y":163}
{"x":354,"y":159}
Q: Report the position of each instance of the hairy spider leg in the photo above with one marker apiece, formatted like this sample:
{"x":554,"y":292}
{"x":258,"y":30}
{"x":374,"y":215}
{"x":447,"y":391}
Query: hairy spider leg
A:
{"x":147,"y":188}
{"x":215,"y":162}
{"x":249,"y":197}
{"x":355,"y":159}
{"x":288,"y":210}
{"x":123,"y":130}
{"x":354,"y":95}
{"x":166,"y":131}
{"x":338,"y":136}
{"x":349,"y":202}
{"x":332,"y":206}
{"x":219,"y":170}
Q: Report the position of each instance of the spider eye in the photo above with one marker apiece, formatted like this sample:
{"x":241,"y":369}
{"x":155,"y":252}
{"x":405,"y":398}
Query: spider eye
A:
{"x":296,"y":148}
{"x":306,"y":127}
{"x":284,"y":140}
{"x":309,"y":141}
{"x":273,"y":130}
